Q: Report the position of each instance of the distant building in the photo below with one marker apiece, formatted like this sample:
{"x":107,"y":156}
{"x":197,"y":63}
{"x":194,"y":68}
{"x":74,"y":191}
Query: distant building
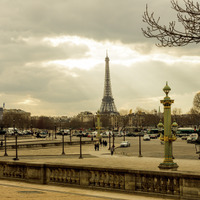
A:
{"x":85,"y":116}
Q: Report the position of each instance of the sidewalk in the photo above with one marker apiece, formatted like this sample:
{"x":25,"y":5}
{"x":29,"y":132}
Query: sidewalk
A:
{"x":101,"y":158}
{"x":11,"y":190}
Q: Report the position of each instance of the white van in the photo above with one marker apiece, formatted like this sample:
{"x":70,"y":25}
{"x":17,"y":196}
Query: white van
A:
{"x":10,"y":131}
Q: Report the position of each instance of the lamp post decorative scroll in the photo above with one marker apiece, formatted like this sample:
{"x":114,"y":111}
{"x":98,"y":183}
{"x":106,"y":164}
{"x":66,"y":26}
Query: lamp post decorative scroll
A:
{"x":168,"y":137}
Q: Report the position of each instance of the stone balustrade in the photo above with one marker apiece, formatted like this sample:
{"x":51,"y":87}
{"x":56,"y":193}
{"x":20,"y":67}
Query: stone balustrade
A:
{"x":160,"y":183}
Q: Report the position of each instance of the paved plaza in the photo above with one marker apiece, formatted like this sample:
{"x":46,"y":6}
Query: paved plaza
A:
{"x":152,"y":151}
{"x":127,"y":158}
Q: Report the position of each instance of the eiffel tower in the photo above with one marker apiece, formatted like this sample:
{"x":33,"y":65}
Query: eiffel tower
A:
{"x":107,"y":105}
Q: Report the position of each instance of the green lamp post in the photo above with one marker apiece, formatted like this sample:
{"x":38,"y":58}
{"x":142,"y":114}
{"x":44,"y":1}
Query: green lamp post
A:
{"x":168,"y":137}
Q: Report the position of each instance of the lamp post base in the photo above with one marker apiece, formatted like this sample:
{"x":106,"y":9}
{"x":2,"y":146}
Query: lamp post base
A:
{"x":168,"y":166}
{"x":15,"y":158}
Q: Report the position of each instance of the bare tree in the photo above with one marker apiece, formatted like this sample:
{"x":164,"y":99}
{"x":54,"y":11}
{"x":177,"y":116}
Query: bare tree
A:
{"x":189,"y":17}
{"x":176,"y":111}
{"x":196,"y":102}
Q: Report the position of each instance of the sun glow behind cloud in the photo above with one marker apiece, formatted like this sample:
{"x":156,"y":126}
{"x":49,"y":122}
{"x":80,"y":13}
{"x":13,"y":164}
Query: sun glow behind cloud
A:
{"x":120,"y":54}
{"x":29,"y":101}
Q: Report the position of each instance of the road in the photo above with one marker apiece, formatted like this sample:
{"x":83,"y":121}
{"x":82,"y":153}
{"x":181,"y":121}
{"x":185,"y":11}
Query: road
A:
{"x":154,"y":148}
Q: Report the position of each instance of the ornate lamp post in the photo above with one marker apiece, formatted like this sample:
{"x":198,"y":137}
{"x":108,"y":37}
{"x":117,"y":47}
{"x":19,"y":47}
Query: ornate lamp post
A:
{"x":168,"y":138}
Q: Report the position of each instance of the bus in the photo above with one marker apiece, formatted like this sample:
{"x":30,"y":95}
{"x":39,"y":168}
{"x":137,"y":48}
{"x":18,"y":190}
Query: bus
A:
{"x":185,"y":131}
{"x":153,"y":133}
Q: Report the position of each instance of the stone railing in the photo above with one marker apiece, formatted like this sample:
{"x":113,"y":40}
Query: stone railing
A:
{"x":159,"y":183}
{"x":43,"y":144}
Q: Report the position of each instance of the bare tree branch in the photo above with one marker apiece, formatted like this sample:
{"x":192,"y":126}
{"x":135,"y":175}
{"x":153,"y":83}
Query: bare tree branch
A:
{"x":189,"y":17}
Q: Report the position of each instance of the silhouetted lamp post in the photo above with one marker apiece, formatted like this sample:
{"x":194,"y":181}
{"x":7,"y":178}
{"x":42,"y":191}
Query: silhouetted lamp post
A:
{"x":16,"y":134}
{"x":113,"y":134}
{"x":80,"y":157}
{"x":5,"y":137}
{"x":109,"y":141}
{"x":70,"y":135}
{"x":140,"y":146}
{"x":63,"y":143}
{"x":55,"y":131}
{"x":31,"y":129}
{"x":168,"y":137}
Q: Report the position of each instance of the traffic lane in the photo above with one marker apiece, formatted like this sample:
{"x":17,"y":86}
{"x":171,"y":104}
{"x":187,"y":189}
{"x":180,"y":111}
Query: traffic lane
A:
{"x":154,"y":148}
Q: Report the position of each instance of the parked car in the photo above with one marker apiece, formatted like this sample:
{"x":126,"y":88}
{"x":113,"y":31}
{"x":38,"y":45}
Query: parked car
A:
{"x":41,"y":135}
{"x":184,"y":137}
{"x":125,"y":144}
{"x":192,"y":138}
{"x":146,"y":137}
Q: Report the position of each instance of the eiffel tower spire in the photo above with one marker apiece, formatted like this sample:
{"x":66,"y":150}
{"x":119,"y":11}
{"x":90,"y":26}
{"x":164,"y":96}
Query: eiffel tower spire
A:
{"x":107,"y":105}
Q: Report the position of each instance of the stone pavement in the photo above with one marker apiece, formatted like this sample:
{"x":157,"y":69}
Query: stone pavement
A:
{"x":10,"y":190}
{"x":101,"y":158}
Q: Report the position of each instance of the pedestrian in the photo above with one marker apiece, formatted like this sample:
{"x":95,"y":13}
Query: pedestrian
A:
{"x":112,"y":150}
{"x":1,"y":143}
{"x":105,"y":143}
{"x":95,"y":146}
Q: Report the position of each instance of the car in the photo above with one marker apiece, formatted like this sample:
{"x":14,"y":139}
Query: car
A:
{"x":131,"y":134}
{"x":146,"y":137}
{"x":184,"y":137}
{"x":192,"y":138}
{"x":125,"y":144}
{"x":41,"y":135}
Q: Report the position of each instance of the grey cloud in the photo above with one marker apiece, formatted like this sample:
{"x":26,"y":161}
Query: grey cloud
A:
{"x":101,"y":20}
{"x":21,"y":72}
{"x":25,"y":52}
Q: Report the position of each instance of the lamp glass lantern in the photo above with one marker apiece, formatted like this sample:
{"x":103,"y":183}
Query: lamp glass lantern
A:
{"x":174,"y":127}
{"x":160,"y":126}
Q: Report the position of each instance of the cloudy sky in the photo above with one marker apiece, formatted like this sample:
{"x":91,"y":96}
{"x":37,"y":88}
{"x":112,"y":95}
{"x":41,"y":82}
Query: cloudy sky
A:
{"x":52,"y":57}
